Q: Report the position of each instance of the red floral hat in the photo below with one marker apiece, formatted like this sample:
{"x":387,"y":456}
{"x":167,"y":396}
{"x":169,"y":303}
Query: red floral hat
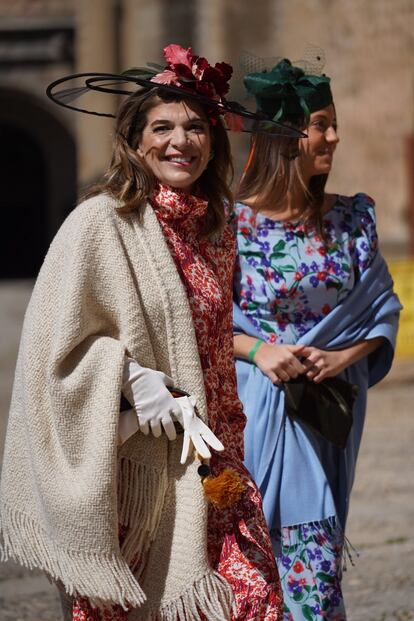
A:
{"x":186,"y":75}
{"x":187,"y":70}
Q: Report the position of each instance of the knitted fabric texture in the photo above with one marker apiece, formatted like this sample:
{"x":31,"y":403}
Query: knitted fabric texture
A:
{"x":108,"y":286}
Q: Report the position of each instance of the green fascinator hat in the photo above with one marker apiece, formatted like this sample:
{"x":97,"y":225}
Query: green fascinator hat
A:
{"x":287,"y":93}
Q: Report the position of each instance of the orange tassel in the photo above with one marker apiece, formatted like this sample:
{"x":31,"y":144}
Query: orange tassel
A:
{"x":224,"y":490}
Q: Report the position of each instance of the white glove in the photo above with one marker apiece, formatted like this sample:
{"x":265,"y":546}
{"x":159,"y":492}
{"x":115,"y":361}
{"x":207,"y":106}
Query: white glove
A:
{"x":147,"y":392}
{"x":196,"y":433}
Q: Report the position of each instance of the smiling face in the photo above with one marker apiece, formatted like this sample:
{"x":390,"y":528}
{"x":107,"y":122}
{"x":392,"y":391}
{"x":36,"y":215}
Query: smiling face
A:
{"x":176,"y":143}
{"x":316,"y":151}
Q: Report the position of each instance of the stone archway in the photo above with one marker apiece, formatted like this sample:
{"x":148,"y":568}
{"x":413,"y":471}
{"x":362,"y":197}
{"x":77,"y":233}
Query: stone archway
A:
{"x":37,"y":181}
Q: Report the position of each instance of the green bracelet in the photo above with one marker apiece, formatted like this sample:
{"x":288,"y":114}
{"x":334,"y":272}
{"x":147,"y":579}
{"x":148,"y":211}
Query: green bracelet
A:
{"x":254,"y":350}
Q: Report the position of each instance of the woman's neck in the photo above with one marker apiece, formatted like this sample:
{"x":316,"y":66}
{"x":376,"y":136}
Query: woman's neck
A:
{"x":291,"y":208}
{"x":296,"y":200}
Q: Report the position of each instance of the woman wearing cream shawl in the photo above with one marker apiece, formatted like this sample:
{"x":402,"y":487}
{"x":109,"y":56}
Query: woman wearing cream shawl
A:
{"x":137,"y":283}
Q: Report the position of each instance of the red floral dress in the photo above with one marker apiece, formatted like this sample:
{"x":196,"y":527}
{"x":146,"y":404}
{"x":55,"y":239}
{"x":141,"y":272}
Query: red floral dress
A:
{"x":238,"y":539}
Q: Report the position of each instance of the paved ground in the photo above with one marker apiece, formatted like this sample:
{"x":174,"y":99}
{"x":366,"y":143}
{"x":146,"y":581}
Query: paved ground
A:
{"x":381,"y":585}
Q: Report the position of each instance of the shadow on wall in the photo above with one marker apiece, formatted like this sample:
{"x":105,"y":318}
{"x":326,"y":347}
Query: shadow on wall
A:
{"x":37,"y":181}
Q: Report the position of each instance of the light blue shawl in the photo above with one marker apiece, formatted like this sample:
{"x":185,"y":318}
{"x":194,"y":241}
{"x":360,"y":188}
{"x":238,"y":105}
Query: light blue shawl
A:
{"x":302,"y":477}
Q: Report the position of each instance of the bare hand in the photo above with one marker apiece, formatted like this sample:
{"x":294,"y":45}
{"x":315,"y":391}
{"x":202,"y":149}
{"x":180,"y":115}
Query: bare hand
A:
{"x":280,"y":362}
{"x":321,"y":364}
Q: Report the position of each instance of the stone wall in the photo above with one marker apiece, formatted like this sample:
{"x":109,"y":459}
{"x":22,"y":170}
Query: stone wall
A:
{"x":369,"y":47}
{"x":36,"y":8}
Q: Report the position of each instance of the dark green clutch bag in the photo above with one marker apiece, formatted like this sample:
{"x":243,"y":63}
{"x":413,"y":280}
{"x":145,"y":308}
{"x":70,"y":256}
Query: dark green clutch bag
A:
{"x":325,"y":407}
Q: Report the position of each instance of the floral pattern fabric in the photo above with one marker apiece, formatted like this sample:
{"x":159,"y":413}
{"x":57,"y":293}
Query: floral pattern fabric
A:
{"x":309,"y":558}
{"x":288,"y":278}
{"x":83,"y":611}
{"x":239,"y":544}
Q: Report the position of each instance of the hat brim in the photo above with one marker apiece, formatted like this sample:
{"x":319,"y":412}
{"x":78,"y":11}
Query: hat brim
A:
{"x":119,"y":84}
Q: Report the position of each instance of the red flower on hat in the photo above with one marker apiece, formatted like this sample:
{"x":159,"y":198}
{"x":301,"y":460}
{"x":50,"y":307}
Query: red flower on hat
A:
{"x":189,"y":71}
{"x":177,"y":55}
{"x":166,"y":77}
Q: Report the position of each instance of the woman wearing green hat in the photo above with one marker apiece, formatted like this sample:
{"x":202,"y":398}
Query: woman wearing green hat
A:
{"x":313,"y":301}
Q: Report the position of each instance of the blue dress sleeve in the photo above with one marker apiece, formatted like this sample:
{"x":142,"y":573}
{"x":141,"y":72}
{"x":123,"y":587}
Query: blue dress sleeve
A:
{"x":364,"y":238}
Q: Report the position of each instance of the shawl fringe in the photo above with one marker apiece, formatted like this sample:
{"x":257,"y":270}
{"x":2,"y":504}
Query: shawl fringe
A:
{"x":210,"y":596}
{"x":141,"y":494}
{"x":96,"y":576}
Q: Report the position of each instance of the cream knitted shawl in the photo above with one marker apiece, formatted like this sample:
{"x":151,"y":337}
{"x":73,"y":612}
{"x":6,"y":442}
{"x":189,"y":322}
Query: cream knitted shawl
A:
{"x":108,"y":286}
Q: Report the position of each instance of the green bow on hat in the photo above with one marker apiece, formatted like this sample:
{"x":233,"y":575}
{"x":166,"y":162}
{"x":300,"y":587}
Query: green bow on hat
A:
{"x":286,"y":93}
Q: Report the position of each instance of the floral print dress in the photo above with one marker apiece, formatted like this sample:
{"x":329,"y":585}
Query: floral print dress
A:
{"x":286,"y":281}
{"x":239,"y":543}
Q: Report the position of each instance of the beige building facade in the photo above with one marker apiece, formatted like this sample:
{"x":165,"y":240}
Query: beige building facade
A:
{"x":50,"y":153}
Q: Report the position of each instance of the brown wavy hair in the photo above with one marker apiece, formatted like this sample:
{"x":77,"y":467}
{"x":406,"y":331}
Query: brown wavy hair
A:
{"x":130,"y":180}
{"x":274,"y":170}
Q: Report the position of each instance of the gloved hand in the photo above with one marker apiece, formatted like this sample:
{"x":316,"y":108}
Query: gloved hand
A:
{"x":196,"y":433}
{"x":147,"y":392}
